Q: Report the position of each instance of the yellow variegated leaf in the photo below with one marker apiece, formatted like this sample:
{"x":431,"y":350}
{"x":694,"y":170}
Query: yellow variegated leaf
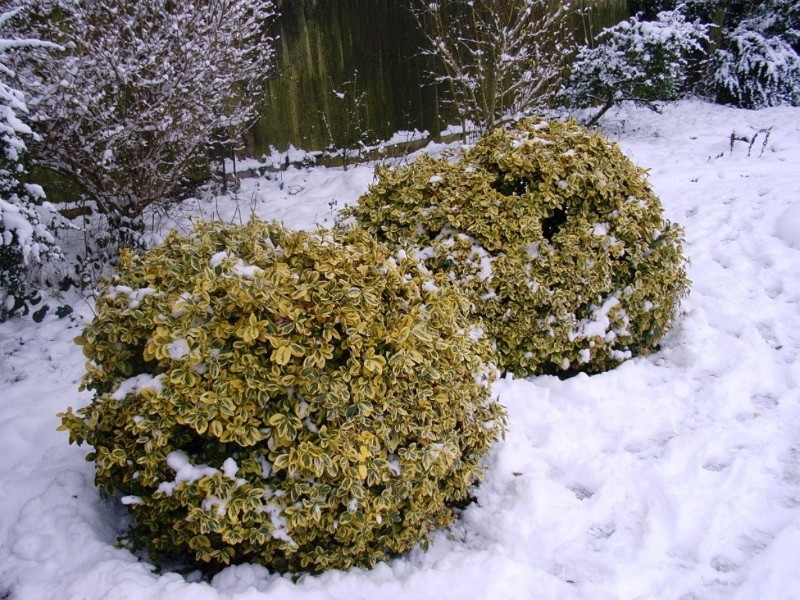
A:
{"x":282,"y":355}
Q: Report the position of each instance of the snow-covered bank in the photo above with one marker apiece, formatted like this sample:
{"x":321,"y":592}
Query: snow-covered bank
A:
{"x":674,"y":476}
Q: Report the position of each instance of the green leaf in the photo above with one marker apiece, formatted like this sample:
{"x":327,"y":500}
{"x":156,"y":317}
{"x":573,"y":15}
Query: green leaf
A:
{"x":281,"y":462}
{"x":215,"y":429}
{"x":282,"y":355}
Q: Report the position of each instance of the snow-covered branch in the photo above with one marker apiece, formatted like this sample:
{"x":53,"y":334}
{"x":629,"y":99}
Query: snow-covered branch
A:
{"x":128,"y":107}
{"x":758,"y":64}
{"x":25,"y":239}
{"x":497,"y":57}
{"x":642,"y":61}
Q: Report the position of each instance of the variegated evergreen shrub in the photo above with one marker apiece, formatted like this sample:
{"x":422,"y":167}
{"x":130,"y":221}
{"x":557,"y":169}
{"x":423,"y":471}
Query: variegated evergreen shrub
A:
{"x":301,"y":400}
{"x":555,"y":235}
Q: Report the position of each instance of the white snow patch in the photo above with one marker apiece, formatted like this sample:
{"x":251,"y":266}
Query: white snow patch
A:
{"x":216,"y":259}
{"x":246,"y":271}
{"x":137,"y":384}
{"x":178,"y":349}
{"x":430,"y":286}
{"x":280,"y":530}
{"x":481,"y":260}
{"x":136,"y":296}
{"x":185,"y":472}
{"x":230,"y":468}
{"x":599,"y":325}
{"x":789,"y":226}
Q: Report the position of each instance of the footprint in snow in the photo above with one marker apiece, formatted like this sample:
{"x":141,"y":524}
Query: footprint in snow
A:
{"x":764,"y":401}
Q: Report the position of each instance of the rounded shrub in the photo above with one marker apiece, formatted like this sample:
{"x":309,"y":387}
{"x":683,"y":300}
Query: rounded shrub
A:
{"x":301,"y":400}
{"x":555,"y":235}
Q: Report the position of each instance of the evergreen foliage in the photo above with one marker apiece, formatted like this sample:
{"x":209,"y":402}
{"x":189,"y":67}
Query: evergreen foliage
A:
{"x":758,"y":64}
{"x":26,"y":241}
{"x":641,"y":61}
{"x":305,"y":401}
{"x":554,"y":234}
{"x":753,"y":61}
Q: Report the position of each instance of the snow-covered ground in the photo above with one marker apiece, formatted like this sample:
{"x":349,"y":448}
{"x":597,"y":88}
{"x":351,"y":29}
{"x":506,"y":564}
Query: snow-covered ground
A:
{"x":675,"y":476}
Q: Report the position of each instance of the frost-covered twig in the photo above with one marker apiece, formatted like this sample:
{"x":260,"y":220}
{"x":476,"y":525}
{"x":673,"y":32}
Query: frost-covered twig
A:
{"x":497,"y":57}
{"x":128,"y":107}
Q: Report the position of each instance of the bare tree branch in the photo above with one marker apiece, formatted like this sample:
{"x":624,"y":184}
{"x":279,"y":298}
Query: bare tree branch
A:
{"x":127,"y":108}
{"x":498,"y":57}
